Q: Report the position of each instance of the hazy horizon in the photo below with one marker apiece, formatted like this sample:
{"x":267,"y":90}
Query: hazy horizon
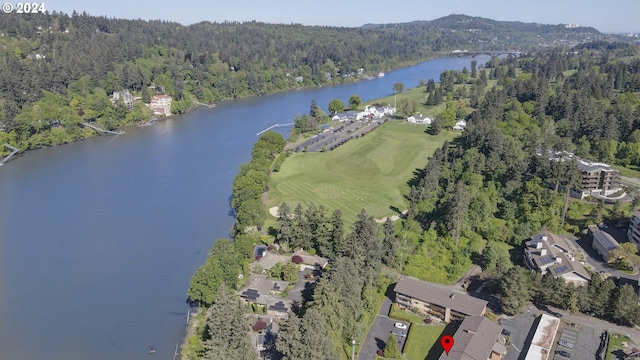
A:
{"x":608,"y":17}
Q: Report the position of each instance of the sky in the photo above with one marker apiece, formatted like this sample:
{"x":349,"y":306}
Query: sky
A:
{"x":609,"y":16}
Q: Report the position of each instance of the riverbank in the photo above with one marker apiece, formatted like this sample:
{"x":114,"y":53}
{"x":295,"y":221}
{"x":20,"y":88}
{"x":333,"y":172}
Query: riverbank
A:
{"x":52,"y":137}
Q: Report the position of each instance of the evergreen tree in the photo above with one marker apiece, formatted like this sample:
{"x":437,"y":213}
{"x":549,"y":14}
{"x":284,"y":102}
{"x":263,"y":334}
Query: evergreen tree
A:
{"x":515,"y":290}
{"x":389,"y":243}
{"x":227,"y":329}
{"x":391,"y":349}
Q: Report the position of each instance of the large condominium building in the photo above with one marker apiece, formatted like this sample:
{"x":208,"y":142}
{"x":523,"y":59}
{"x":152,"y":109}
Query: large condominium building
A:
{"x":634,"y":228}
{"x":597,"y":178}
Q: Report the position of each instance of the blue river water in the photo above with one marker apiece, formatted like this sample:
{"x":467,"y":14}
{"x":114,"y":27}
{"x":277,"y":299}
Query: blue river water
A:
{"x":99,"y":238}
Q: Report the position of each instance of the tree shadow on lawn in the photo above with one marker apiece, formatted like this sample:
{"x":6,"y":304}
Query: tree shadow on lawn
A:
{"x":418,"y":174}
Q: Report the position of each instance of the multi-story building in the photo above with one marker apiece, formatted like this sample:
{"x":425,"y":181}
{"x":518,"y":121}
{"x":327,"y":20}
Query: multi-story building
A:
{"x":597,"y":178}
{"x":550,"y":253}
{"x":633,"y":234}
{"x":430,"y":299}
{"x":161,"y":105}
{"x":602,"y":242}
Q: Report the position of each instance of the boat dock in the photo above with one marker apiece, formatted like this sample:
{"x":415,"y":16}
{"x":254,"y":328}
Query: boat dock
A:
{"x":102,"y":130}
{"x":14,"y":151}
{"x":207,"y":105}
{"x":273,"y":126}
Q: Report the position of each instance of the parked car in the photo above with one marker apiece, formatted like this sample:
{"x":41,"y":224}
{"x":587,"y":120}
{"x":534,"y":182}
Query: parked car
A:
{"x":401,"y":326}
{"x":563,"y":353}
{"x":565,"y":343}
{"x":399,"y":334}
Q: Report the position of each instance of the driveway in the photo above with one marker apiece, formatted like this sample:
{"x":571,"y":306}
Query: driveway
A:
{"x":521,"y":330}
{"x":379,"y":332}
{"x":594,"y":259}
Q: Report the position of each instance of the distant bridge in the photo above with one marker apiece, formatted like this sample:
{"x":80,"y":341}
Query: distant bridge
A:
{"x":485,"y":52}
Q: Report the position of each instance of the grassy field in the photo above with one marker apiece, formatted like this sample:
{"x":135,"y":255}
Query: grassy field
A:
{"x":421,"y":339}
{"x":369,"y":172}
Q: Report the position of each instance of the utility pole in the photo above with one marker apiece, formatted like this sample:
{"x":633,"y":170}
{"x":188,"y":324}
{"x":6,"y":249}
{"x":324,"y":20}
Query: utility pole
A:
{"x":353,"y":349}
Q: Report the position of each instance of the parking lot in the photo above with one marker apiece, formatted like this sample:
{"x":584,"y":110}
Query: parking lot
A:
{"x":379,"y":333}
{"x":337,"y":135}
{"x":585,"y":343}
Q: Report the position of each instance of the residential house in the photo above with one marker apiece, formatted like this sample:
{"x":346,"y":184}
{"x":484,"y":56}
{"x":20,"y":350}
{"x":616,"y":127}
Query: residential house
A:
{"x":550,"y":253}
{"x":375,"y":112}
{"x":267,"y":292}
{"x":460,"y":125}
{"x":633,"y":234}
{"x":434,"y":300}
{"x":419,"y":119}
{"x":602,"y":242}
{"x":161,"y":105}
{"x":344,"y":116}
{"x":310,"y":261}
{"x":268,"y":259}
{"x":476,"y":338}
{"x":124,"y":95}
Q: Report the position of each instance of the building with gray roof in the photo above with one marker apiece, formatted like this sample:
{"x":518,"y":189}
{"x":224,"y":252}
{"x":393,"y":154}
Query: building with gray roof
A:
{"x":549,"y":253}
{"x":476,"y":338}
{"x":439,"y":301}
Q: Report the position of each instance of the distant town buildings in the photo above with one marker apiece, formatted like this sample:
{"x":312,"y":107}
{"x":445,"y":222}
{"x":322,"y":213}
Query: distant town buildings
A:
{"x":550,"y":253}
{"x":161,"y":105}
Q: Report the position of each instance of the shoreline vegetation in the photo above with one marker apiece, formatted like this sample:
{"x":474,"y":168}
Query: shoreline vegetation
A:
{"x":474,"y":203}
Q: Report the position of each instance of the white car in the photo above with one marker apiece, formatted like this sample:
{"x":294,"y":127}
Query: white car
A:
{"x":401,"y":326}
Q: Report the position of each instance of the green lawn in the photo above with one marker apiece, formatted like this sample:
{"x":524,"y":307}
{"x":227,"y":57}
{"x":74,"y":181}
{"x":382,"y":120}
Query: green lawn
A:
{"x":616,"y":342}
{"x":370,"y":172}
{"x":402,"y":315}
{"x":421,"y":339}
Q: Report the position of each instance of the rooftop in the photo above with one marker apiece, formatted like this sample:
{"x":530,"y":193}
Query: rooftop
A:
{"x":440,"y":296}
{"x":474,"y":339}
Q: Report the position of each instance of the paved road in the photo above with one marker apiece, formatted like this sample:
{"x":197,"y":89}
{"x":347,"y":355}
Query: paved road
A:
{"x":595,"y":260}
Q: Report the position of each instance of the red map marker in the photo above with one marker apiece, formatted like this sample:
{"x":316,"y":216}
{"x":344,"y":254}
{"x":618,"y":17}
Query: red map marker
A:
{"x":446,"y":342}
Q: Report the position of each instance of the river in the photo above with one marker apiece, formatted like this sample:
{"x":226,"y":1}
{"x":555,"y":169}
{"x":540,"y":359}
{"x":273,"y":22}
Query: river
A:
{"x":99,"y":238}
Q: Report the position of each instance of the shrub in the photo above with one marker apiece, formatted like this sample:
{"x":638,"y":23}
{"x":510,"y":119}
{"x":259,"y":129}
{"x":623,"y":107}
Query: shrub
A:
{"x":259,"y":325}
{"x":296,"y":259}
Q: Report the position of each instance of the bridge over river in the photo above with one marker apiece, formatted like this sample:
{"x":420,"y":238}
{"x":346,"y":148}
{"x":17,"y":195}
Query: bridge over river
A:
{"x":492,"y":53}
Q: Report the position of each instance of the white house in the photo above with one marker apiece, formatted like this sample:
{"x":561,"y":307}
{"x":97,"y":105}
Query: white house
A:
{"x":460,"y":125}
{"x":375,"y":112}
{"x":419,"y":119}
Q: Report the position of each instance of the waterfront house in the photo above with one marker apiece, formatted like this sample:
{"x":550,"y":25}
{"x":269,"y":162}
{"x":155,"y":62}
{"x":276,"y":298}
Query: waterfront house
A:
{"x":161,"y":105}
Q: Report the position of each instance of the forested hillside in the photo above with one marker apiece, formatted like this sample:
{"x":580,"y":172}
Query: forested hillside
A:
{"x":59,"y":70}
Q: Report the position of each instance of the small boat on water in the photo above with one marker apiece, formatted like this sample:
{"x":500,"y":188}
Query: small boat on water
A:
{"x":380,"y":74}
{"x":151,"y":350}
